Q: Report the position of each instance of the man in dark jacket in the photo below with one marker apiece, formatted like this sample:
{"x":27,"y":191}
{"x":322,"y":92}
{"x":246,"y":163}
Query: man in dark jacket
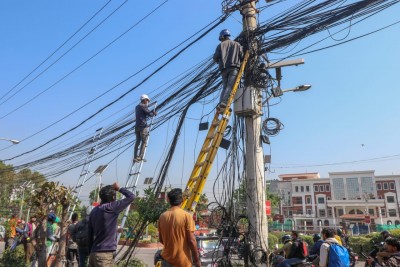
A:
{"x":228,"y":55}
{"x":103,"y":222}
{"x":141,"y":128}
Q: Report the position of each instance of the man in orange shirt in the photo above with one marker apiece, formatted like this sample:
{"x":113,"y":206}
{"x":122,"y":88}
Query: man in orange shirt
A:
{"x":176,"y":232}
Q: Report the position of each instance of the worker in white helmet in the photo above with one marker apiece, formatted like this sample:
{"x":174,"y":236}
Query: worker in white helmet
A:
{"x":141,"y":127}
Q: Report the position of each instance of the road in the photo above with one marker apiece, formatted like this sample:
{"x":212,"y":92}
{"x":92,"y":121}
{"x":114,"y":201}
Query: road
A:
{"x":147,"y":255}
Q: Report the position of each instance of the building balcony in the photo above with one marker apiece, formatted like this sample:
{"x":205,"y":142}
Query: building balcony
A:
{"x":312,"y":215}
{"x":355,"y":203}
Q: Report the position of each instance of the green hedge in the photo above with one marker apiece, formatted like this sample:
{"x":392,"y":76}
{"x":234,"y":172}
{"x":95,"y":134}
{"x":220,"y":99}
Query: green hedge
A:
{"x":14,"y":258}
{"x":272,"y":240}
{"x":361,"y":244}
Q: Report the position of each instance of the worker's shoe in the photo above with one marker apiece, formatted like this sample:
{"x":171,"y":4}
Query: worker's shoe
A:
{"x":221,"y":107}
{"x":137,"y":159}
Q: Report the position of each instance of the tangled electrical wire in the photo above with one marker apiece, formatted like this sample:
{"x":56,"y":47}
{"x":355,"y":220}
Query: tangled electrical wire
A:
{"x":272,"y":126}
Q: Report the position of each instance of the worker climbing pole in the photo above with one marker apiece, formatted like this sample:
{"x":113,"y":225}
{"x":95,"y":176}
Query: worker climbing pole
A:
{"x":202,"y":167}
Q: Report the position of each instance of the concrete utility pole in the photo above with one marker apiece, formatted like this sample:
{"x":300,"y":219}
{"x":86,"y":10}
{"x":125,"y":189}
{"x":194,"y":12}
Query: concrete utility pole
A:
{"x":251,"y":109}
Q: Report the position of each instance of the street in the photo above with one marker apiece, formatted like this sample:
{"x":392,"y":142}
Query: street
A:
{"x":147,"y":255}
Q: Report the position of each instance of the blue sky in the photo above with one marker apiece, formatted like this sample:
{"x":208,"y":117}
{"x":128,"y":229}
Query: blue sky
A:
{"x":350,"y":113}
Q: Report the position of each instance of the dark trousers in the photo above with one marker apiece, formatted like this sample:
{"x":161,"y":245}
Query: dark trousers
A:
{"x":72,"y":256}
{"x":228,"y":80}
{"x":141,"y":140}
{"x":83,"y":254}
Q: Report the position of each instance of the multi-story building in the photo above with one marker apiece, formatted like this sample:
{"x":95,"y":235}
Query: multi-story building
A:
{"x":351,"y":198}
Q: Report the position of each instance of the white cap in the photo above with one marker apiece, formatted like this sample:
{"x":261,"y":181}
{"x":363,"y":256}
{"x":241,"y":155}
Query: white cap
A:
{"x":143,"y":97}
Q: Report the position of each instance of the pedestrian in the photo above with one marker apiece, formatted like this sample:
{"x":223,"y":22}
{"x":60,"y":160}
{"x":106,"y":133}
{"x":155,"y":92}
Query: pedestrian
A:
{"x":72,"y":247}
{"x":141,"y":128}
{"x":103,"y":222}
{"x":80,"y":234}
{"x":30,"y":241}
{"x":11,"y":231}
{"x":393,"y":247}
{"x":176,"y":232}
{"x":228,"y":55}
{"x":287,"y":246}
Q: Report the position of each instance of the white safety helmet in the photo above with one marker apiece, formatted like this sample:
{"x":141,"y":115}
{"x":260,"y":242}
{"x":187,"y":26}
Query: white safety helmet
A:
{"x":143,"y":97}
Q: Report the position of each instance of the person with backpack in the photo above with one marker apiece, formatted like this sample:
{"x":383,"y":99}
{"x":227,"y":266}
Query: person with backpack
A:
{"x":298,"y":252}
{"x":80,"y":235}
{"x":287,"y":246}
{"x":72,"y":247}
{"x":393,"y":247}
{"x":332,"y":254}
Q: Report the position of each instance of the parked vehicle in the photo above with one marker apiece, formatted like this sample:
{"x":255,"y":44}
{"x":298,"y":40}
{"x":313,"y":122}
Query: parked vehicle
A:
{"x":210,"y":249}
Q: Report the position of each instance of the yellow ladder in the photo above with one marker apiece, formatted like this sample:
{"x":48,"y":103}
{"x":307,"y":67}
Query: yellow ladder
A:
{"x":204,"y":162}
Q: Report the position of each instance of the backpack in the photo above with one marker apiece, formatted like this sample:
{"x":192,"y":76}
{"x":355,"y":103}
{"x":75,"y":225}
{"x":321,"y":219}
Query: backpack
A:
{"x":299,"y":249}
{"x":80,"y":235}
{"x":338,"y":256}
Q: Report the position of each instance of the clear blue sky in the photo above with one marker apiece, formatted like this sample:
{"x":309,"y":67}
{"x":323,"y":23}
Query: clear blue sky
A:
{"x":350,"y":114}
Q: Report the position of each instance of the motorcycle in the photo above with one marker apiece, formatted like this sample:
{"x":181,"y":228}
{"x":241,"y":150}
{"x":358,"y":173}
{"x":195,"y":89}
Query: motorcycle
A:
{"x":376,"y":248}
{"x":353,"y":257}
{"x":276,"y":259}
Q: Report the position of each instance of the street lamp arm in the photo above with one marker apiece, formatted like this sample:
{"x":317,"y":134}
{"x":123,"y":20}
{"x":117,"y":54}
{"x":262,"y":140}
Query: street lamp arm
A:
{"x":11,"y":140}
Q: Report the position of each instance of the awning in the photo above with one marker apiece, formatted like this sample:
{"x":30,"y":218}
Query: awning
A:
{"x":356,"y":217}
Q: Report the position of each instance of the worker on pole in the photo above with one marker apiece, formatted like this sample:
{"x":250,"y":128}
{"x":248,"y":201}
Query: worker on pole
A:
{"x":228,"y":55}
{"x":141,"y":128}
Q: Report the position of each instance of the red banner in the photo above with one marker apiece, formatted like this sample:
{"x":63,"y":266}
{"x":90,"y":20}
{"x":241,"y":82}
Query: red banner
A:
{"x":268,"y":207}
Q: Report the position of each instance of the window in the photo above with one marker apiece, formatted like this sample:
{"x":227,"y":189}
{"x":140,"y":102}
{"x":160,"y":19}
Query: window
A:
{"x":352,"y":188}
{"x":329,"y":212}
{"x":316,"y":188}
{"x":321,"y":213}
{"x":290,"y":213}
{"x":308,"y":200}
{"x":385,"y":186}
{"x":371,"y":211}
{"x":328,"y":198}
{"x":297,"y":200}
{"x":327,"y":188}
{"x":338,"y":188}
{"x":296,"y":188}
{"x":390,"y":199}
{"x":383,"y":211}
{"x":367,"y":185}
{"x":302,"y":188}
{"x":391,"y":186}
{"x":340,"y":212}
{"x":307,"y":188}
{"x":379,"y":186}
{"x":392,"y":212}
{"x":321,"y":188}
{"x":321,"y":200}
{"x":309,"y":211}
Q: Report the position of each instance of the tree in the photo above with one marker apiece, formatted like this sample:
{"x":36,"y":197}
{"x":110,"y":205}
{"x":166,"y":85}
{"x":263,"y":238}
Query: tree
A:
{"x":50,"y":196}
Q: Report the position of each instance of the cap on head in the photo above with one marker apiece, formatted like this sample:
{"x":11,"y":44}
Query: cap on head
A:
{"x":224,"y":33}
{"x":144,"y":97}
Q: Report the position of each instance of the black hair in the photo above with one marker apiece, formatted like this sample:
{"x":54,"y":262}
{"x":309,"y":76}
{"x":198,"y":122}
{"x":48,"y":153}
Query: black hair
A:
{"x":295,"y":233}
{"x":74,"y":217}
{"x":175,"y":197}
{"x":393,"y":242}
{"x":328,"y":232}
{"x":107,"y":194}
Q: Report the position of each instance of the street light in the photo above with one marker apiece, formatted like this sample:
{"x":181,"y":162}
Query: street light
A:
{"x":277,"y":91}
{"x":11,"y":140}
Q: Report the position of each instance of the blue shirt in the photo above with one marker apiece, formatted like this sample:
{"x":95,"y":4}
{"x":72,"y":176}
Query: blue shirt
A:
{"x":103,"y":222}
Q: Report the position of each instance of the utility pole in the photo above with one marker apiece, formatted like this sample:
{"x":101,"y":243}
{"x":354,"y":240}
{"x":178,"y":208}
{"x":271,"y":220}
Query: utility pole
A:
{"x":255,"y":180}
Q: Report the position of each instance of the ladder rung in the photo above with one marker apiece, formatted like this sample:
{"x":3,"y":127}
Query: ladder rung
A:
{"x":206,"y":149}
{"x":214,"y":123}
{"x":210,"y":136}
{"x":134,"y":173}
{"x":194,"y":179}
{"x":200,"y":163}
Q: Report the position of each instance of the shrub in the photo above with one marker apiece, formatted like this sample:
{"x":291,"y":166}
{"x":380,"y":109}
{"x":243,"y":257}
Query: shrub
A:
{"x":360,"y":244}
{"x":134,"y":262}
{"x":395,"y":233}
{"x":272,"y":240}
{"x":14,"y":258}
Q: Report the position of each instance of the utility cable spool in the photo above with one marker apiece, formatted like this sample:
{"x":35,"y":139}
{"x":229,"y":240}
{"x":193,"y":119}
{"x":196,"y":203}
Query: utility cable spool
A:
{"x":272,"y":126}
